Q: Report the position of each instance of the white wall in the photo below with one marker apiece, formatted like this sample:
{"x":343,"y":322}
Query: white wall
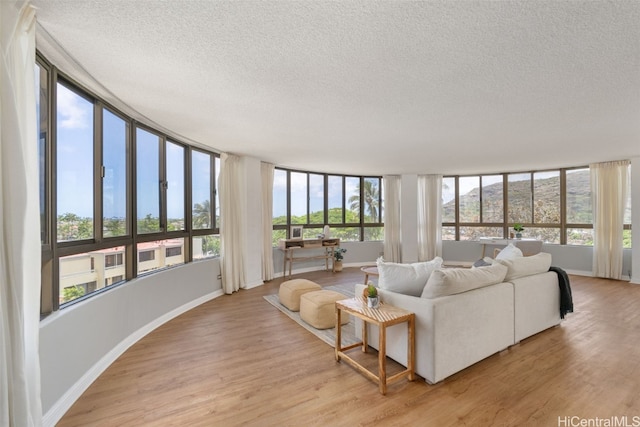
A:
{"x":358,"y":254}
{"x":573,"y":259}
{"x":79,"y":342}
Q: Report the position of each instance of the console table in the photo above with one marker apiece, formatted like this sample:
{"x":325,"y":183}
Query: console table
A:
{"x":527,"y":246}
{"x":291,"y":246}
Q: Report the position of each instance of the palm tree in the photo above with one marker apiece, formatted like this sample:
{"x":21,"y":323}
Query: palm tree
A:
{"x":371,"y":200}
{"x":202,"y":215}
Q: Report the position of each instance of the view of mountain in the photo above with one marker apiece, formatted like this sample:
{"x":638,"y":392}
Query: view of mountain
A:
{"x":530,"y":203}
{"x":544,"y":209}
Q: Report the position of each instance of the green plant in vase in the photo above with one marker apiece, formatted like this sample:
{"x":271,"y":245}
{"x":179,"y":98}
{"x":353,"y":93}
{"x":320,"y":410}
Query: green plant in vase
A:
{"x":518,"y":228}
{"x":338,"y":255}
{"x":372,"y":296}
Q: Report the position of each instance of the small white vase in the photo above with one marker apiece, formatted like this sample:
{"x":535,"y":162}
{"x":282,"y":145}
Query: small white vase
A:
{"x":327,"y":232}
{"x":373,"y":302}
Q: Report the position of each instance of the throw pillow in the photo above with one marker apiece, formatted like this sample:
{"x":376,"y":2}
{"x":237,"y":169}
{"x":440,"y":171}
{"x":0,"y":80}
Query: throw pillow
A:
{"x":450,"y":281}
{"x":483,"y":262}
{"x":407,"y":279}
{"x":510,"y":252}
{"x":526,"y":266}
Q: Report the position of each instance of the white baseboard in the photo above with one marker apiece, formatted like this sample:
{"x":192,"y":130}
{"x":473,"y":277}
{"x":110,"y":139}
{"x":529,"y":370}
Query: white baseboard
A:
{"x":253,"y":285}
{"x":320,"y":268}
{"x":57,"y":411}
{"x":579,"y":272}
{"x":299,"y":271}
{"x":624,"y":278}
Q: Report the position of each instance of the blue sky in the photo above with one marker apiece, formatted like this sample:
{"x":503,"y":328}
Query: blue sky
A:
{"x":299,"y":192}
{"x":75,"y":154}
{"x":75,"y":164}
{"x":200,"y":171}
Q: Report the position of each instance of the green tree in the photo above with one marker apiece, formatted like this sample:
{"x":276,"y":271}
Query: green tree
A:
{"x":148,"y":224}
{"x":114,"y":227}
{"x":202,"y":215}
{"x":72,"y":227}
{"x":72,"y":292}
{"x":277,"y":235}
{"x":211,"y":245}
{"x":371,"y":200}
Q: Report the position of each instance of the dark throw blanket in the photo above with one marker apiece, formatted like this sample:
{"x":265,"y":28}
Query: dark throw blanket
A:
{"x":566,"y":301}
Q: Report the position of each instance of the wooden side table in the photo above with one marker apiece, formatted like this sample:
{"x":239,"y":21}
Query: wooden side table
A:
{"x":371,"y":270}
{"x":384,"y":316}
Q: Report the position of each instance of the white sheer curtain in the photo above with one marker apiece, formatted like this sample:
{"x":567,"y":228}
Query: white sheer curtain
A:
{"x":429,"y":217}
{"x":266,"y":169}
{"x":392,"y":237}
{"x":20,"y":403}
{"x":231,"y":223}
{"x":609,"y":192}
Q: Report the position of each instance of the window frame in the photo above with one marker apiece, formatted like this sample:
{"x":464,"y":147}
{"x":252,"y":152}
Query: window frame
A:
{"x":563,"y":225}
{"x":361,"y":226}
{"x":52,"y":250}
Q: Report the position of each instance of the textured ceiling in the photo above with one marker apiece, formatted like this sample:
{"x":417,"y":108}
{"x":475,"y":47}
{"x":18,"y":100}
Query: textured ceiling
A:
{"x":369,"y":87}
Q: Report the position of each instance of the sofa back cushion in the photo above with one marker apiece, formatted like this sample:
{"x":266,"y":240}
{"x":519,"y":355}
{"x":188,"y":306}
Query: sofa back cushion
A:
{"x":450,"y":281}
{"x":407,"y":279}
{"x":526,"y":266}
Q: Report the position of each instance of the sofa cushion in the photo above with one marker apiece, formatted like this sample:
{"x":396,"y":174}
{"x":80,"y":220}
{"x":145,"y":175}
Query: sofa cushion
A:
{"x":407,"y":279}
{"x":450,"y":281}
{"x":510,"y":252}
{"x":526,"y":266}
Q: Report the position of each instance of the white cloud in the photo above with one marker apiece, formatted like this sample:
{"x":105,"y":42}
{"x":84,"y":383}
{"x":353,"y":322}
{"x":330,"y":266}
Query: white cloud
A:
{"x":280,"y":180}
{"x":74,"y":112}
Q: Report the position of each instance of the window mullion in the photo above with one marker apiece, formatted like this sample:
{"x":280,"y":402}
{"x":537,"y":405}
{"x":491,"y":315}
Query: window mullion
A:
{"x":162,"y":187}
{"x":326,"y":198}
{"x":505,"y":206}
{"x":308,"y":175}
{"x":132,"y":258}
{"x":98,"y":172}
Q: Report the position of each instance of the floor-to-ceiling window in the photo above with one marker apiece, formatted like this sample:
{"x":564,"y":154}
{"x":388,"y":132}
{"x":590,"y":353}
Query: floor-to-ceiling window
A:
{"x":117,"y":198}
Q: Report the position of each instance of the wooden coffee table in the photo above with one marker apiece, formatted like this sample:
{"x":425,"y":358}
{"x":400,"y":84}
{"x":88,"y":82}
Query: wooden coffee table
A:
{"x":384,"y":316}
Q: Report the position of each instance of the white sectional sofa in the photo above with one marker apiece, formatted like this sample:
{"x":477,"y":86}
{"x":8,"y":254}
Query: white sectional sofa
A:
{"x":479,"y":319}
{"x":536,"y":304}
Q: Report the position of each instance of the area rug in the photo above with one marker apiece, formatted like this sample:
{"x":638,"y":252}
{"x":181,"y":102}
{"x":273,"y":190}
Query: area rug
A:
{"x":326,"y":335}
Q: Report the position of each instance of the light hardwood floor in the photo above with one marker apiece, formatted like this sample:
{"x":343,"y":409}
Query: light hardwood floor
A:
{"x":237,"y":360}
